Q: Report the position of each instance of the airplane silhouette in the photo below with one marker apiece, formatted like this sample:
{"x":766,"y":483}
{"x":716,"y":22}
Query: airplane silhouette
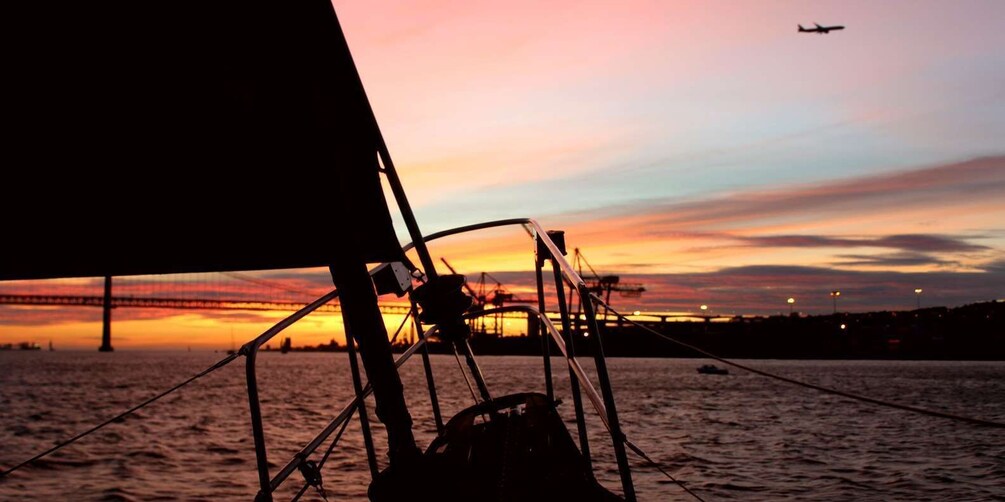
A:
{"x":821,"y":30}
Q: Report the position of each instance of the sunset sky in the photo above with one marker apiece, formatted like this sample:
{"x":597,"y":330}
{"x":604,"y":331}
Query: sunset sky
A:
{"x":705,"y":149}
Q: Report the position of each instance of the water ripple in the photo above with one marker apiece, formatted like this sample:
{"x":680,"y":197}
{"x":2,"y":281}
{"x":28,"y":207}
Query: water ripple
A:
{"x":735,"y":437}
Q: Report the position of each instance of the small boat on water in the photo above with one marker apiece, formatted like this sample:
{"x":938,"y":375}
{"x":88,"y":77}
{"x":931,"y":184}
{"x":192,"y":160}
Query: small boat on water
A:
{"x":711,"y":369}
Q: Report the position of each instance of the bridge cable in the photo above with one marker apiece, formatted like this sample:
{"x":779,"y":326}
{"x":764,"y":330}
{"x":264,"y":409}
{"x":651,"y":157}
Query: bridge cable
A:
{"x":223,"y":362}
{"x":269,"y":284}
{"x":825,"y":390}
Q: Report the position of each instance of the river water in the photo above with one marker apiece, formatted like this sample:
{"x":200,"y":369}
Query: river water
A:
{"x":733,"y":437}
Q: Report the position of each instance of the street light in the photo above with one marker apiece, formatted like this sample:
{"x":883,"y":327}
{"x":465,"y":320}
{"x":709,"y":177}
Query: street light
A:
{"x":835,"y":294}
{"x":703,"y":308}
{"x":917,"y":293}
{"x":790,"y":301}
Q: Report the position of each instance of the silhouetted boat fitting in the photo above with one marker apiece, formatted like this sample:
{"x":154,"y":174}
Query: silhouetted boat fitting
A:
{"x":204,"y":95}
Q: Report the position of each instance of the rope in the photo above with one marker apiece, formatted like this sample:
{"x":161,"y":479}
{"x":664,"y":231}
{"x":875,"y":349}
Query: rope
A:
{"x":825,"y":390}
{"x":638,"y":451}
{"x":223,"y":362}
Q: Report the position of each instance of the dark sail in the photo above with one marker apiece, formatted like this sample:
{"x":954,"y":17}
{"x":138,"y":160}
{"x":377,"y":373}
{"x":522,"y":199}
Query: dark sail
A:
{"x":236,"y":134}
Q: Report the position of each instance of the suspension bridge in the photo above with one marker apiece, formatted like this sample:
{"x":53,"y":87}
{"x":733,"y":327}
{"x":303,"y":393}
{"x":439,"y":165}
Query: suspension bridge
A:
{"x":210,"y":291}
{"x":177,"y":303}
{"x":217,"y":291}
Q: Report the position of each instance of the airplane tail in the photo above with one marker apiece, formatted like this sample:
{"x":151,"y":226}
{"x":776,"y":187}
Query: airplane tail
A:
{"x":801,"y":29}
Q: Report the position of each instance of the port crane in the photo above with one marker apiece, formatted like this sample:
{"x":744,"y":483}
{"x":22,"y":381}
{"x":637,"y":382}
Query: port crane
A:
{"x":603,"y":285}
{"x":488,"y":294}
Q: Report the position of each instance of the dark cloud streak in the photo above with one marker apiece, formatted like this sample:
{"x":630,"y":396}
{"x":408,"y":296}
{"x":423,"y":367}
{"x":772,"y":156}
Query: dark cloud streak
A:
{"x":981,"y":179}
{"x":906,"y":242}
{"x":905,"y":259}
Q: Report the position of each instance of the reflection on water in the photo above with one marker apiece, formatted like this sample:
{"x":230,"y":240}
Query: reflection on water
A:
{"x":730,"y":437}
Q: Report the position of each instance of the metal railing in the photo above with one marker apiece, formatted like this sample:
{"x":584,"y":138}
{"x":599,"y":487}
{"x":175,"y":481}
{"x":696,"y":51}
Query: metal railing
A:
{"x":335,"y":423}
{"x":267,"y":484}
{"x":250,"y":352}
{"x":556,"y":336}
{"x":564,"y":274}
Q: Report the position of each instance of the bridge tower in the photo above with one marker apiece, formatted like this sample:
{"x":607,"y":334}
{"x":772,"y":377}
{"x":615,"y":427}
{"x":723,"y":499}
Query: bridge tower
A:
{"x":106,"y":318}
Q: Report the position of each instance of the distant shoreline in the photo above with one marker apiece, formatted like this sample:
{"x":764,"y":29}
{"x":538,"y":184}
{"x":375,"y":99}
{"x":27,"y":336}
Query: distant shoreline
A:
{"x":554,"y":354}
{"x":974,"y":332}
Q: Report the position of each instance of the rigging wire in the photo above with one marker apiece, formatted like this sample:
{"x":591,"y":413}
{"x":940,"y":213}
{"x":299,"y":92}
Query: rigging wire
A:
{"x":464,"y":374}
{"x":405,"y":319}
{"x":223,"y":362}
{"x":638,"y":451}
{"x":345,"y":423}
{"x":826,"y":390}
{"x":338,"y":435}
{"x":324,"y":458}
